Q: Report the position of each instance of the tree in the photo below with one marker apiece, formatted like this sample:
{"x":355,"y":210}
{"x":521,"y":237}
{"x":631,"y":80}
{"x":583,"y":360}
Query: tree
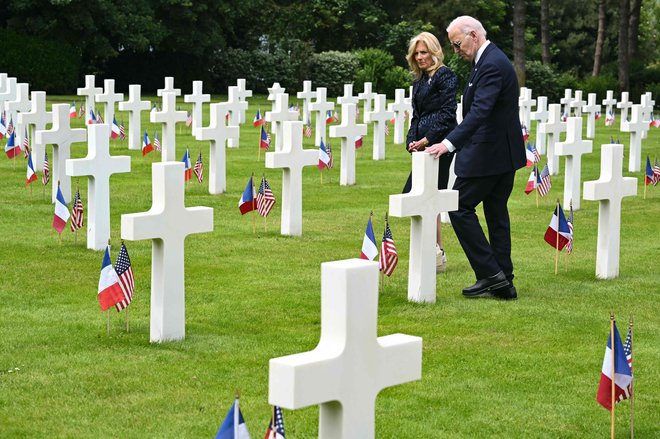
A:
{"x":600,"y":39}
{"x":624,"y":61}
{"x":546,"y":58}
{"x":633,"y":30}
{"x":519,"y":40}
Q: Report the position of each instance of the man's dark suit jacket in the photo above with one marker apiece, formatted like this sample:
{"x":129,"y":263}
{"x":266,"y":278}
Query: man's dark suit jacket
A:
{"x":489,"y":140}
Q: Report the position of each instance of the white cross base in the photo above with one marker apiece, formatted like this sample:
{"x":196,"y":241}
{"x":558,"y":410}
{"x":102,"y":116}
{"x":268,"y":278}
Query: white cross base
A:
{"x":99,"y":165}
{"x":351,"y":364}
{"x":609,"y":189}
{"x":573,"y":148}
{"x":167,"y":224}
{"x":349,"y":130}
{"x":423,"y":204}
{"x":292,"y":158}
{"x":61,"y":136}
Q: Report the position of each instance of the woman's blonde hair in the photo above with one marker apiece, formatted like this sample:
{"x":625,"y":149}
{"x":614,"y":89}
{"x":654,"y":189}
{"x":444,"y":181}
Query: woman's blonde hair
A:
{"x":434,"y":48}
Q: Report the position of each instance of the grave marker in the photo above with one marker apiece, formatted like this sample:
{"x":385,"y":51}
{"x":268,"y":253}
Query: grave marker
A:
{"x":108,"y":98}
{"x":624,"y":105}
{"x":525,"y":103}
{"x":349,"y":131}
{"x":279,"y":115}
{"x":573,"y":148}
{"x":169,"y":88}
{"x":36,"y":119}
{"x":307,"y":95}
{"x":591,"y":109}
{"x":399,"y":108}
{"x":540,"y":115}
{"x":20,"y":103}
{"x":566,"y":101}
{"x":169,"y":117}
{"x":321,"y":106}
{"x":135,"y":107}
{"x":242,"y":93}
{"x":367,"y":95}
{"x":636,"y":127}
{"x":609,"y":102}
{"x":197,"y":97}
{"x":552,"y":129}
{"x":235,"y":107}
{"x":90,"y":91}
{"x":380,"y":117}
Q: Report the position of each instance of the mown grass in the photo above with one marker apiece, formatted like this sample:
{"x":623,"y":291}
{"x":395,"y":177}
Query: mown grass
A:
{"x":490,"y":369}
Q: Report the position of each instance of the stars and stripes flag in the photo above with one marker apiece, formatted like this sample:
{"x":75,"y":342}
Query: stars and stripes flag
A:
{"x":265,"y":198}
{"x":187,"y":166}
{"x":99,"y":118}
{"x":77,"y":211}
{"x":531,"y":182}
{"x":532,"y":155}
{"x":276,"y":426}
{"x":156,"y":141}
{"x":387,"y":128}
{"x":10,"y":127}
{"x":648,"y":175}
{"x":331,"y":162}
{"x":569,"y":222}
{"x":199,"y":168}
{"x":627,"y":348}
{"x":31,"y":175}
{"x":72,"y":110}
{"x":26,"y":144}
{"x":146,"y":144}
{"x":324,"y":158}
{"x":258,"y":120}
{"x":264,"y":140}
{"x":45,"y":178}
{"x":81,"y":111}
{"x":109,"y":289}
{"x":622,"y":374}
{"x":369,"y":249}
{"x":188,"y":119}
{"x":308,"y":128}
{"x":11,"y":148}
{"x":388,"y":256}
{"x":558,"y":233}
{"x":125,"y":275}
{"x":122,"y":131}
{"x":543,"y":183}
{"x":656,"y":172}
{"x":3,"y":125}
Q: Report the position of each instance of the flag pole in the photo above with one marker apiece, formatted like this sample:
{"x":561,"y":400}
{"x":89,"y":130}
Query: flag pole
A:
{"x":127,"y":325}
{"x":645,"y":185}
{"x":107,"y":313}
{"x":75,"y":232}
{"x":273,"y":422}
{"x":254,"y":219}
{"x":632,"y":417}
{"x":613,"y":401}
{"x":557,"y":240}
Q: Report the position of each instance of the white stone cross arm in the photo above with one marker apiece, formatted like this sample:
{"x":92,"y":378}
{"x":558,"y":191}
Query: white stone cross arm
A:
{"x":351,"y":364}
{"x":167,"y":224}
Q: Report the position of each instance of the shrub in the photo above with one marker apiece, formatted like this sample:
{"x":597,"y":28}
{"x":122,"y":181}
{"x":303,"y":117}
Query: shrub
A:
{"x":396,"y":77}
{"x":333,"y":69}
{"x":544,"y":81}
{"x":374,"y":65}
{"x":599,"y":85}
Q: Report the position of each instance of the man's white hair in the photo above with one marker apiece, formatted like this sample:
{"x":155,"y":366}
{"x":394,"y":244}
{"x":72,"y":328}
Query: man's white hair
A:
{"x":467,"y":24}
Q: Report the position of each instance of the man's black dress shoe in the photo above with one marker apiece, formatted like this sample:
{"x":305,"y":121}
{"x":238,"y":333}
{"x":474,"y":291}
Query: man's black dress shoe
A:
{"x":484,"y":287}
{"x":506,"y":293}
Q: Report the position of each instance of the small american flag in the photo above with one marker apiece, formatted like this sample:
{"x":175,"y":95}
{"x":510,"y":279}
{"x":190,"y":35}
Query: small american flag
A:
{"x":627,"y":347}
{"x":156,"y":141}
{"x":308,"y":128}
{"x":199,"y":168}
{"x":569,"y":244}
{"x":265,"y":198}
{"x":543,"y":183}
{"x":10,"y":127}
{"x":122,"y":131}
{"x":99,"y":118}
{"x":276,"y":426}
{"x":331,"y":162}
{"x":26,"y":145}
{"x":126,"y":280}
{"x":46,"y":177}
{"x":81,"y":111}
{"x":189,"y":119}
{"x":388,"y":256}
{"x":656,"y":172}
{"x":387,"y":128}
{"x":77,"y":213}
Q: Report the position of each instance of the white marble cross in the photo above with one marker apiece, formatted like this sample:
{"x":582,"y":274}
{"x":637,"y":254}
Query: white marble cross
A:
{"x":609,"y":102}
{"x":36,"y":119}
{"x":636,"y":127}
{"x":423,"y":204}
{"x":577,"y":103}
{"x":90,"y":92}
{"x":135,"y":107}
{"x":348,"y":130}
{"x":321,"y":106}
{"x":274,"y":91}
{"x":399,"y":107}
{"x":235,"y":107}
{"x":218,"y":132}
{"x":169,"y":87}
{"x":292,"y":158}
{"x":459,"y":107}
{"x":306,"y":95}
{"x":552,"y":129}
{"x":109,"y":98}
{"x":169,"y":117}
{"x":61,"y":136}
{"x":348,"y":97}
{"x":591,"y":109}
{"x":540,"y":115}
{"x":573,"y":148}
{"x":566,"y":101}
{"x":367,"y":96}
{"x":4,"y":85}
{"x":279,"y":115}
{"x":198,"y":98}
{"x":351,"y":364}
{"x":624,"y":105}
{"x":8,"y":93}
{"x":525,"y":104}
{"x":99,"y":165}
{"x":242,"y":93}
{"x":167,"y":224}
{"x":19,"y":104}
{"x":647,"y":103}
{"x":609,"y":190}
{"x":380,"y":117}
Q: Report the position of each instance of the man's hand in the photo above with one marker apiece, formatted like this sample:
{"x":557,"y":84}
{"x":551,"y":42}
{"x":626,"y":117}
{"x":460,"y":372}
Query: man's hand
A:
{"x":437,"y":150}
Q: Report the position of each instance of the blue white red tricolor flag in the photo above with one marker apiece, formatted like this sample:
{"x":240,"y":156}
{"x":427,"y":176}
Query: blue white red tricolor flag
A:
{"x":369,"y":249}
{"x":247,"y":202}
{"x":532,"y":155}
{"x":648,"y":175}
{"x":558,"y":233}
{"x":258,"y":120}
{"x":531,"y":182}
{"x":233,"y":427}
{"x":109,"y":289}
{"x":114,"y":129}
{"x":146,"y":144}
{"x":187,"y":166}
{"x":324,"y":158}
{"x":61,"y":215}
{"x":72,"y":110}
{"x":31,"y":175}
{"x":622,"y":374}
{"x":12,"y":149}
{"x":264,"y":141}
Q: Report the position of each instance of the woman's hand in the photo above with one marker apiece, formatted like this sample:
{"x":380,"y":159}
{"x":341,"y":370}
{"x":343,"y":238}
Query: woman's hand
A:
{"x":418,"y":145}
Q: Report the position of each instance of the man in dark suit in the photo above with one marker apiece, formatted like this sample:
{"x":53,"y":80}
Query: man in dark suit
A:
{"x":489,"y":149}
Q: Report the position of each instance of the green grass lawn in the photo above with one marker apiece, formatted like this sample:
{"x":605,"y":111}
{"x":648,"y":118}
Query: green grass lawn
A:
{"x":528,"y":368}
